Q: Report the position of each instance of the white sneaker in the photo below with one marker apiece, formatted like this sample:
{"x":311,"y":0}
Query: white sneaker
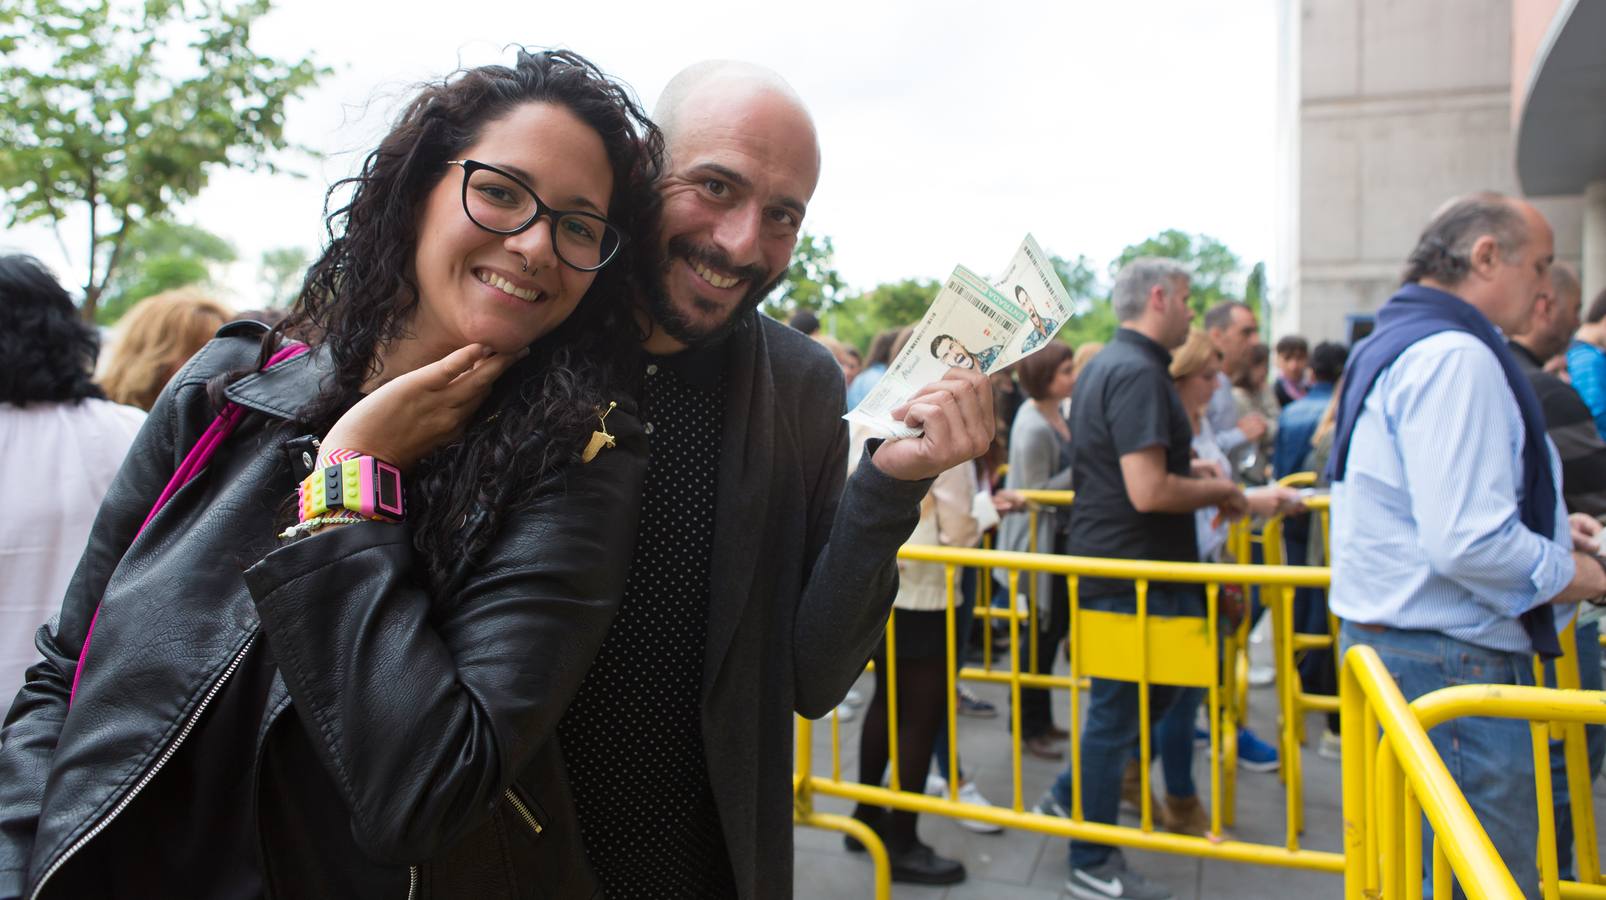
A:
{"x":854,"y":698}
{"x":845,"y":713}
{"x":937,"y":786}
{"x":1331,"y":747}
{"x":1262,"y":676}
{"x":969,"y":793}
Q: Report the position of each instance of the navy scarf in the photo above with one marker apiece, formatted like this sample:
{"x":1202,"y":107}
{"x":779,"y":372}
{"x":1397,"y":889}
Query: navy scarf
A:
{"x":1416,"y":312}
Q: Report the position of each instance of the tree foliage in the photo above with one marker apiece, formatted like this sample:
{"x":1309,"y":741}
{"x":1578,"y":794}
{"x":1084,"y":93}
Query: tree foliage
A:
{"x":283,"y":271}
{"x":122,"y":108}
{"x":1217,"y":271}
{"x":160,"y":256}
{"x":811,"y":283}
{"x":860,"y":317}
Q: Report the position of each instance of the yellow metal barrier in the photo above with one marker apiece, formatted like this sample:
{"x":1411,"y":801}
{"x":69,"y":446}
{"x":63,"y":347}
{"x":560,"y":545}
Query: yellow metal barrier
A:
{"x":1143,"y":648}
{"x":1389,"y":784}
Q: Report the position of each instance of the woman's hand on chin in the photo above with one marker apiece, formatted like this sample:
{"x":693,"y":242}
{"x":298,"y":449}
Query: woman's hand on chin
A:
{"x":411,"y":415}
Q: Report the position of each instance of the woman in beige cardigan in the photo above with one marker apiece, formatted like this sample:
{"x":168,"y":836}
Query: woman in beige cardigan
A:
{"x":953,"y":514}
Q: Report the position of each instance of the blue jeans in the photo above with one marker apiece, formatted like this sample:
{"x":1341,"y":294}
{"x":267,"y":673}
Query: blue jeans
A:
{"x":1589,"y":679}
{"x":1491,"y":760}
{"x":1111,"y":731}
{"x":1173,"y":742}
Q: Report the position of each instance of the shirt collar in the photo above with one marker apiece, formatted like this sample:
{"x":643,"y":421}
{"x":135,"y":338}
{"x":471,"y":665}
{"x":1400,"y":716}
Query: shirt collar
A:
{"x":699,"y":367}
{"x":1523,"y":354}
{"x":1143,"y":342}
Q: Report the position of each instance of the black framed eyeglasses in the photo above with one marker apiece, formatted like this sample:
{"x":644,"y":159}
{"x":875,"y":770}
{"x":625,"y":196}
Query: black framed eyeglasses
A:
{"x":501,"y":203}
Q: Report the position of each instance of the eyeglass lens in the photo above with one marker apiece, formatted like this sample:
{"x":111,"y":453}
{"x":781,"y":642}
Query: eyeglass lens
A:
{"x":497,"y":202}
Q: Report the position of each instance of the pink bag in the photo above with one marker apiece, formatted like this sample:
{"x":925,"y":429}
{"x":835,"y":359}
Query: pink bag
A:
{"x":227,"y":418}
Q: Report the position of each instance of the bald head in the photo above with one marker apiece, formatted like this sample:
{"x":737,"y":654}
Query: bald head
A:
{"x":743,"y":161}
{"x":722,"y":81}
{"x":1555,"y":317}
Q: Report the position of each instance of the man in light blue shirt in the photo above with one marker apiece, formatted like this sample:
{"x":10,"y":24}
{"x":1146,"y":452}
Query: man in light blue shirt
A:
{"x":1433,"y":565}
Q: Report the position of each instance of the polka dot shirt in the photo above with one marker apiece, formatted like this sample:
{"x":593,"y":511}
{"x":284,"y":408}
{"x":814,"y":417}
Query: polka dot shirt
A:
{"x":632,"y":739}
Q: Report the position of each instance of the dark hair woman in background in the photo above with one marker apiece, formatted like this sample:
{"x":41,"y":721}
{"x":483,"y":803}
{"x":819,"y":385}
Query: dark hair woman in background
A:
{"x":61,"y":442}
{"x":241,"y":699}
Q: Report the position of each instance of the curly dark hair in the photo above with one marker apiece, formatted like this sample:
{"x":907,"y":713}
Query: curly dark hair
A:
{"x":360,"y":295}
{"x":47,"y":350}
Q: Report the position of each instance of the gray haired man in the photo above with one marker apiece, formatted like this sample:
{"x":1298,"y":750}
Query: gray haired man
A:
{"x":1135,"y":499}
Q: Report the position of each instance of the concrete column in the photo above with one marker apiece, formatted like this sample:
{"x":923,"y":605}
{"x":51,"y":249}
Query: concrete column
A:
{"x":1594,"y":243}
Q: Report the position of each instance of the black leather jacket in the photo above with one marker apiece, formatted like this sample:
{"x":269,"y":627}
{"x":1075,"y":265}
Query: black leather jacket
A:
{"x":405,"y":746}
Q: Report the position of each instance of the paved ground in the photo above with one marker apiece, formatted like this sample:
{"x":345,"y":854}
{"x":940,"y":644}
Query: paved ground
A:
{"x":1022,"y":866}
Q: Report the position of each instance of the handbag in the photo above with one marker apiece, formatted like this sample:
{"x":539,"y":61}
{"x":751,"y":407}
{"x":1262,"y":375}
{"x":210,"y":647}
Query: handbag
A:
{"x":216,"y":433}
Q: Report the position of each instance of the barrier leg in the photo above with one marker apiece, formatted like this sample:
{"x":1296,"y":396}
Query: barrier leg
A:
{"x":1544,"y":790}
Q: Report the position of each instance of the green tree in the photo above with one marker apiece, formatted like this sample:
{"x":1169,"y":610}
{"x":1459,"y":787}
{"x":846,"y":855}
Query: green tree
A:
{"x":1216,"y":269}
{"x":159,"y":256}
{"x":811,"y":281}
{"x":105,"y":111}
{"x":283,"y":270}
{"x":859,"y":317}
{"x":1092,"y":318}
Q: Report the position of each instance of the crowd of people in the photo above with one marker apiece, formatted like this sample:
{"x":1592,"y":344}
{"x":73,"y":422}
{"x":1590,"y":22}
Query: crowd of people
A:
{"x":507,"y":556}
{"x":1490,"y":402}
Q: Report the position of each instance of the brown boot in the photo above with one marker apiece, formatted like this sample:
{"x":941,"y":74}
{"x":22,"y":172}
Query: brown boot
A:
{"x":1185,"y":815}
{"x":1132,"y":787}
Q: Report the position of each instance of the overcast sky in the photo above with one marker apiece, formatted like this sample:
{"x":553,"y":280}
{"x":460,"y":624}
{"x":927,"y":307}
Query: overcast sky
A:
{"x":948,"y":130}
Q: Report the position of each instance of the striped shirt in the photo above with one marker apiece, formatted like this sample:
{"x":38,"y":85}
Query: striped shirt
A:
{"x":1426,"y":534}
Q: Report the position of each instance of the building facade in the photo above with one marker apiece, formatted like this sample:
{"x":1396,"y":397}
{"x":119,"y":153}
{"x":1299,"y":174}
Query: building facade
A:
{"x":1392,"y":107}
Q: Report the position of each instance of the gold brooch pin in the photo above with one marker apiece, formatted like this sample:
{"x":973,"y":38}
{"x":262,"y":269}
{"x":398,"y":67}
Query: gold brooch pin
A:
{"x":600,"y":438}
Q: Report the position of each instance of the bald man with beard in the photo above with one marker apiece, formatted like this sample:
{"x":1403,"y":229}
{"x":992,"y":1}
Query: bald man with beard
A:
{"x":763,"y":571}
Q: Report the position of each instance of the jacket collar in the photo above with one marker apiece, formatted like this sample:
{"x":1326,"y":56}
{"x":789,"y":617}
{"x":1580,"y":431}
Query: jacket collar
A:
{"x":286,"y":389}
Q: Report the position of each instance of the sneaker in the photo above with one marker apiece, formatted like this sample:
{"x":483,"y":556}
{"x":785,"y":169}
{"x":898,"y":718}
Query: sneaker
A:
{"x":1049,"y":805}
{"x":1201,"y":737}
{"x":969,"y":793}
{"x":1112,"y":880}
{"x":975,"y":707}
{"x":845,"y":712}
{"x":1262,"y":676}
{"x":1132,"y":788}
{"x":854,"y":697}
{"x":1185,"y":815}
{"x":1255,"y":754}
{"x":1331,"y":747}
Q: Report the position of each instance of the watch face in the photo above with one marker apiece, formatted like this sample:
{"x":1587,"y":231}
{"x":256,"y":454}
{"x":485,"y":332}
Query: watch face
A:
{"x":389,"y":480}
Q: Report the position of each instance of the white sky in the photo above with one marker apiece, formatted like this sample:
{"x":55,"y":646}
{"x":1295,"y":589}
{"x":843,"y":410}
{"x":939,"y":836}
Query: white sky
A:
{"x":948,"y":129}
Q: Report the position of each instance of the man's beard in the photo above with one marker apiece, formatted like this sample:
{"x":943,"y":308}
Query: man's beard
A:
{"x":683,"y":327}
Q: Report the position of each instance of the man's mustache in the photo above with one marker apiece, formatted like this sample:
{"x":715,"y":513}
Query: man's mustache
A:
{"x":713,"y":258}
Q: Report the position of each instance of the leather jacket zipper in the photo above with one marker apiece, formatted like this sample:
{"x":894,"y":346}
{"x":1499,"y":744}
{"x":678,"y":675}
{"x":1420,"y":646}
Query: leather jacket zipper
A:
{"x":523,"y":810}
{"x":150,"y":773}
{"x":518,"y":806}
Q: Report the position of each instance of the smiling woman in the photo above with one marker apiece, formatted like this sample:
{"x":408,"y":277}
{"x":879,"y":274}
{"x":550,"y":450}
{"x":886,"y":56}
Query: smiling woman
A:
{"x":365,"y":706}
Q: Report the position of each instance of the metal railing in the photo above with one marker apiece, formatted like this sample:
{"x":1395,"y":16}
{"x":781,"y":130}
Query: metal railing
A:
{"x":1391,"y":783}
{"x":1139,"y":647}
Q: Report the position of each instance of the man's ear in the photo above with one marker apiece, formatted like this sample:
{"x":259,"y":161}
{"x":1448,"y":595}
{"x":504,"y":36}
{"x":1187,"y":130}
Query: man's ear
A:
{"x":1485,"y":255}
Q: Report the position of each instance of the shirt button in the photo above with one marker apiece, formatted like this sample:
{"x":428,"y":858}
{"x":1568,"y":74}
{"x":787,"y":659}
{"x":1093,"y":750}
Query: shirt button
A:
{"x":652,"y":369}
{"x":648,"y":428}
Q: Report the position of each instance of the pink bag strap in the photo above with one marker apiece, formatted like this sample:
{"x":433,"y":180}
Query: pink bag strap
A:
{"x":194,"y":461}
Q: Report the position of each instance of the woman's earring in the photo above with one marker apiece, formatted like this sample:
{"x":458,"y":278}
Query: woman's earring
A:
{"x":600,"y":438}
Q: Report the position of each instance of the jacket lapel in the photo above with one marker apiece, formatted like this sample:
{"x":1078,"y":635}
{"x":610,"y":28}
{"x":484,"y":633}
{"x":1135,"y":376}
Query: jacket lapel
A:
{"x":746,"y":465}
{"x":285,"y":389}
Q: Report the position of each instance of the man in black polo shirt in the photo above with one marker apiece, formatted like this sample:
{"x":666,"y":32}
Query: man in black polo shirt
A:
{"x":1135,"y":499}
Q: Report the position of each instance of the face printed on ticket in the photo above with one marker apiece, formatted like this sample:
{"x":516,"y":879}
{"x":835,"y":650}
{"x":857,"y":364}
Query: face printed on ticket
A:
{"x":973,"y":324}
